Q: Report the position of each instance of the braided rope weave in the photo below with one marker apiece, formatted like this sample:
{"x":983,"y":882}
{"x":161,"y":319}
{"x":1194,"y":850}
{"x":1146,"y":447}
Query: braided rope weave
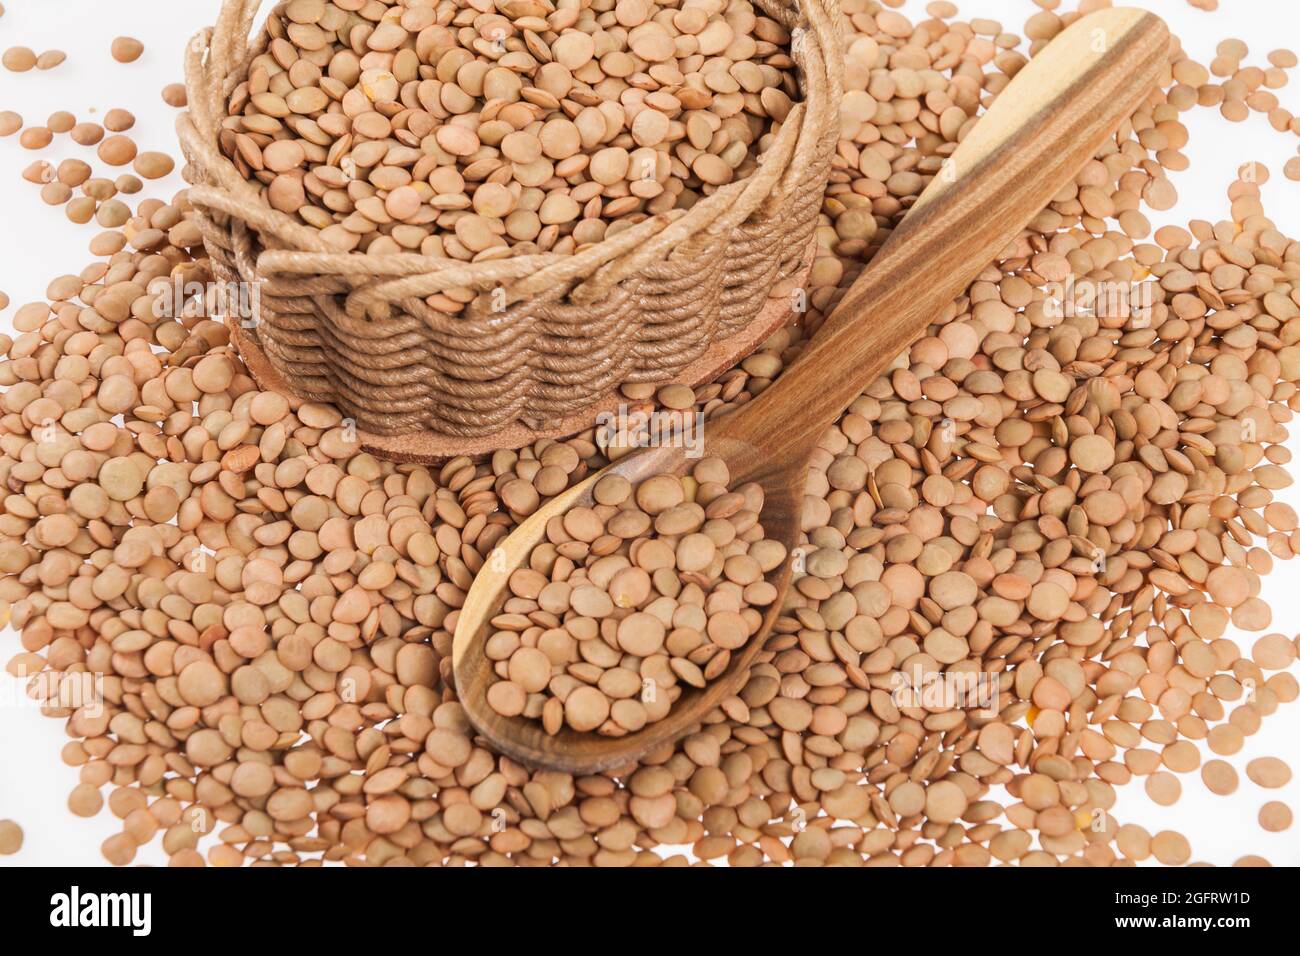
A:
{"x":355,"y":330}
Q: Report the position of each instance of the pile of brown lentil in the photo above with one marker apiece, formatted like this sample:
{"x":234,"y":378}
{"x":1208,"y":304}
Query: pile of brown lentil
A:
{"x":651,"y":588}
{"x":475,"y":131}
{"x":1076,"y":501}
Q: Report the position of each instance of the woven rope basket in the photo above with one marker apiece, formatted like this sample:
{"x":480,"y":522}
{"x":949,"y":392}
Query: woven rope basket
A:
{"x":355,"y":330}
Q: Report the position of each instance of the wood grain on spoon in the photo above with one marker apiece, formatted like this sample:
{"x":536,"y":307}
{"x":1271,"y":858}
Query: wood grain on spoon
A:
{"x":1049,"y":121}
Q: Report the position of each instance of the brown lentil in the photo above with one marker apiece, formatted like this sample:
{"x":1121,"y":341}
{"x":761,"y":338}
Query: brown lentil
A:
{"x":1268,"y":772}
{"x":154,"y":165}
{"x":85,"y":800}
{"x":11,"y":838}
{"x":1171,"y":848}
{"x":18,"y":59}
{"x":117,"y":150}
{"x":126,"y":49}
{"x":1163,"y":789}
{"x":174,"y":95}
{"x":87,"y":134}
{"x":35,"y":137}
{"x":1275,"y":816}
{"x":1219,"y":777}
{"x":118,"y":120}
{"x":61,"y":122}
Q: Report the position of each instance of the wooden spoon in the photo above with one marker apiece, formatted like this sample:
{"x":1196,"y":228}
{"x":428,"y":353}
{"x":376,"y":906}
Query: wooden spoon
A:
{"x":1050,"y":120}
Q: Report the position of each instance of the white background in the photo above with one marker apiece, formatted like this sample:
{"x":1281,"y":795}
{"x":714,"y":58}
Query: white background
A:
{"x":38,"y":243}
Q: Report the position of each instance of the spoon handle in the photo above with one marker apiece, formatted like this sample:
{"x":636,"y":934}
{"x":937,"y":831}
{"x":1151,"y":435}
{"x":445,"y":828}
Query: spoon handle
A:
{"x":1053,"y":116}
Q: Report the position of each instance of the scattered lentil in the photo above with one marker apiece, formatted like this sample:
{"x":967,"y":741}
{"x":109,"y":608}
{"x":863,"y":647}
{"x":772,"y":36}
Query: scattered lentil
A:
{"x":174,"y":95}
{"x":1171,"y":848}
{"x":35,"y":137}
{"x":61,"y":122}
{"x":117,"y":150}
{"x":118,"y":120}
{"x":1164,"y":789}
{"x":18,"y":59}
{"x":126,"y":49}
{"x":1275,"y":816}
{"x":87,"y":134}
{"x":11,"y":838}
{"x":1219,"y":776}
{"x":154,"y":165}
{"x":85,"y":800}
{"x":1268,"y":772}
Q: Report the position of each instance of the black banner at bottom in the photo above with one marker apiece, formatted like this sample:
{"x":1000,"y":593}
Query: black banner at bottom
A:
{"x":148,"y":906}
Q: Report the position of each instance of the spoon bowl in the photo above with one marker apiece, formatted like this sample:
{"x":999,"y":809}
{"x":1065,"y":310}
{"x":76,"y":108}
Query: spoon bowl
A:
{"x":1039,"y":132}
{"x":523,"y":738}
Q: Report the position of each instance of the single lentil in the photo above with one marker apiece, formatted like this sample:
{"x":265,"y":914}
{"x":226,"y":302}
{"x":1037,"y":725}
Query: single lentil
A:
{"x":18,"y":59}
{"x":118,"y":120}
{"x":1219,"y":777}
{"x":1275,"y":816}
{"x":1268,"y":772}
{"x":11,"y":838}
{"x":126,"y":49}
{"x":174,"y":95}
